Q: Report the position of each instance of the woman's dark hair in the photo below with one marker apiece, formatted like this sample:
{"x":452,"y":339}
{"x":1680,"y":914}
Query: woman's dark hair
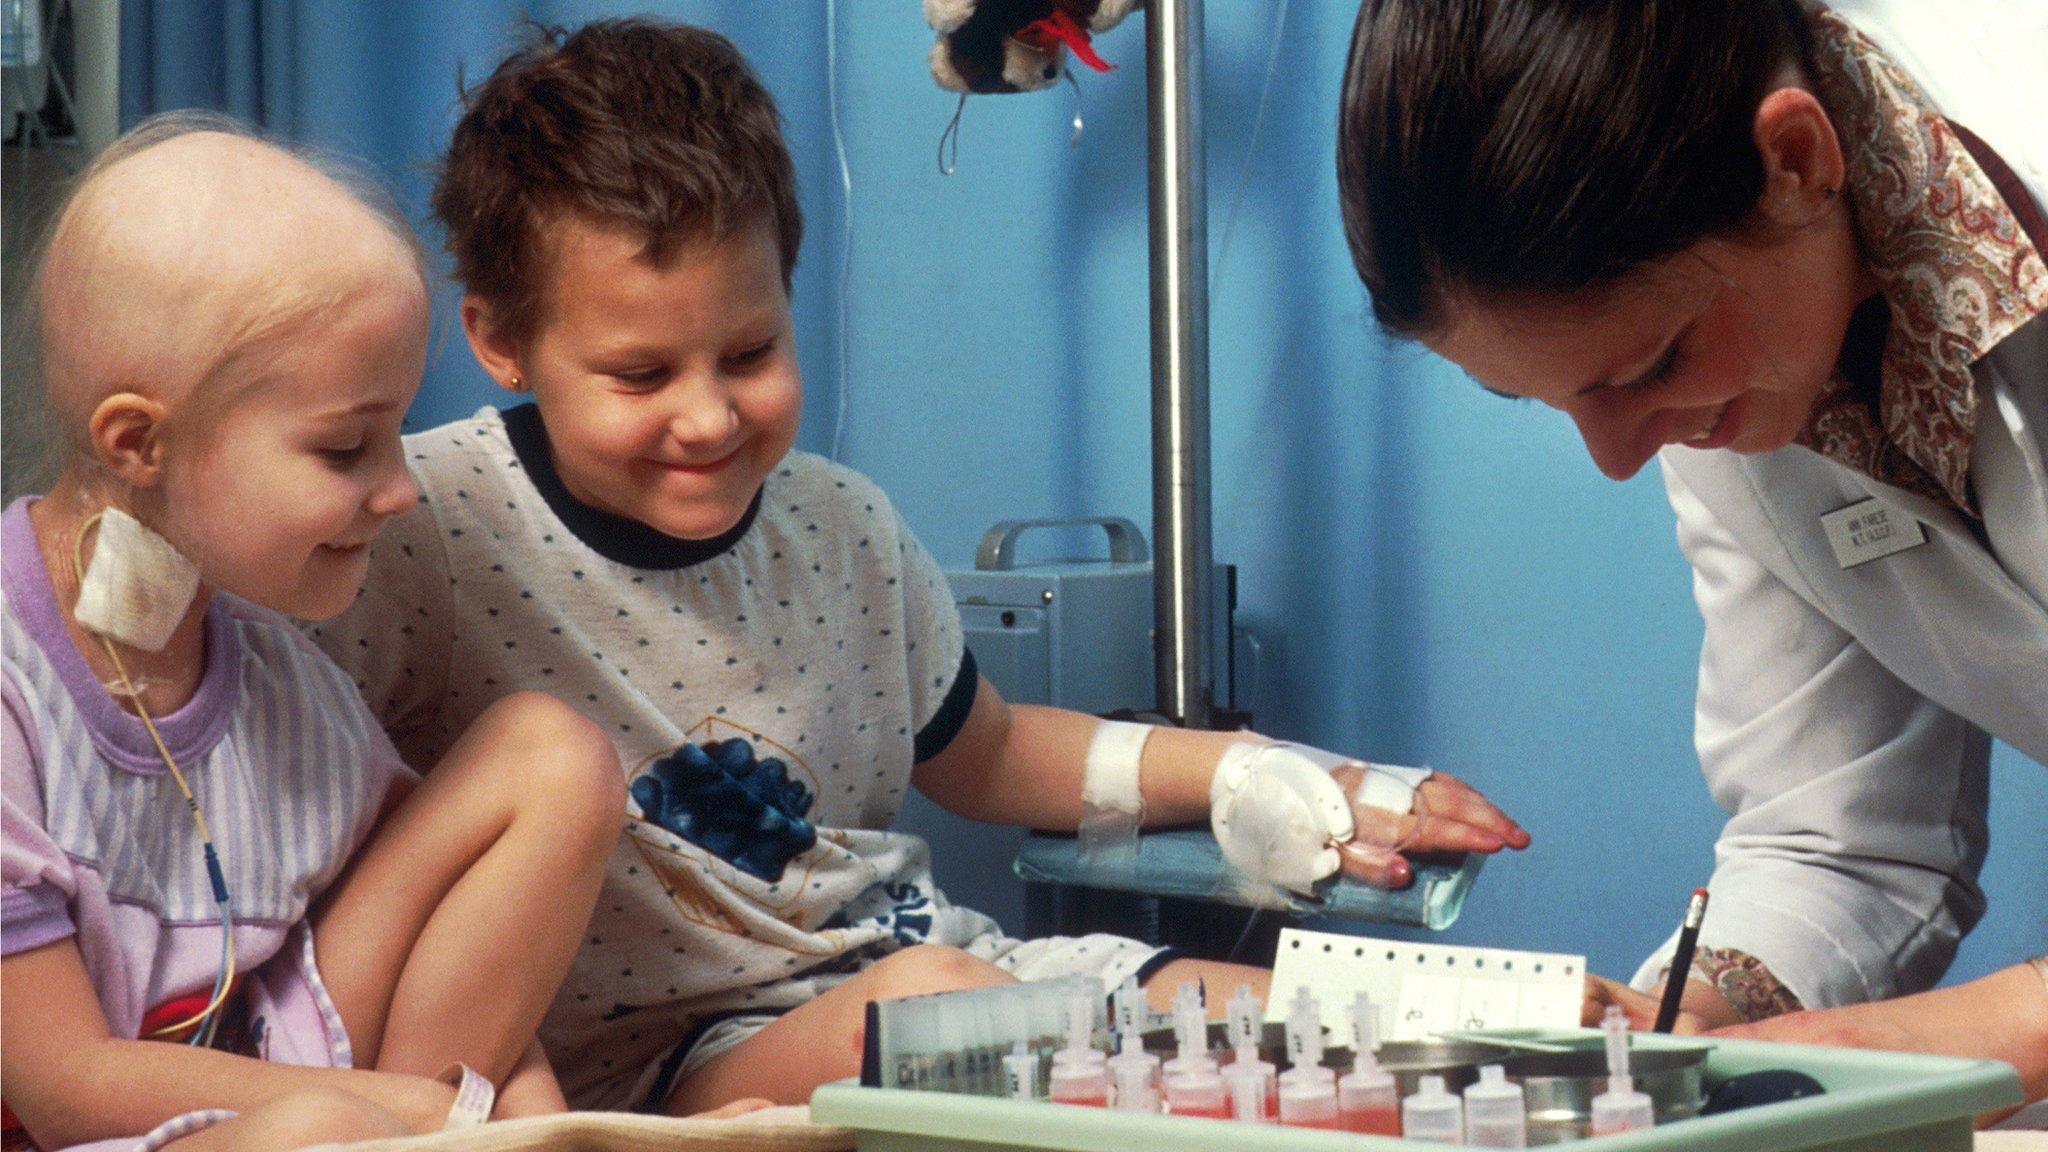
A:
{"x":1535,"y":146}
{"x":639,"y":124}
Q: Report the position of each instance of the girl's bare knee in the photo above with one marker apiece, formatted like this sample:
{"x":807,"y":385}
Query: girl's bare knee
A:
{"x":317,"y":1116}
{"x":564,"y":763}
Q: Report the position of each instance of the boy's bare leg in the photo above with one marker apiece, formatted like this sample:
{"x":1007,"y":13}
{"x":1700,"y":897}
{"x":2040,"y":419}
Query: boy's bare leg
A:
{"x":531,"y":1089}
{"x":820,"y":1041}
{"x":299,"y":1120}
{"x":1221,"y":980}
{"x":736,"y":1108}
{"x":454,"y":925}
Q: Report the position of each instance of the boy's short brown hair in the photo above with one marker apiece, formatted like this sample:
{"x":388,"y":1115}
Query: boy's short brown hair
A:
{"x":640,"y":124}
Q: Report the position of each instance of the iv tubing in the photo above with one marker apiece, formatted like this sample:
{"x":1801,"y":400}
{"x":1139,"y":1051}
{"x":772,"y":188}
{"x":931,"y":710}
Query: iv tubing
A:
{"x":226,"y":979}
{"x":846,"y":223}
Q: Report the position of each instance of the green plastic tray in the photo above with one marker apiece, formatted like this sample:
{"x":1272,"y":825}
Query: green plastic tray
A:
{"x":1875,"y":1101}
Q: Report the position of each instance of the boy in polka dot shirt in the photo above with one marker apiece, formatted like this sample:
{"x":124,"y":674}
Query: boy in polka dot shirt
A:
{"x":774,"y":655}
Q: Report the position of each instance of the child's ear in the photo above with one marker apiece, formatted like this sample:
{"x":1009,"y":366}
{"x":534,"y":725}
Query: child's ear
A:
{"x":127,"y":438}
{"x":498,"y":355}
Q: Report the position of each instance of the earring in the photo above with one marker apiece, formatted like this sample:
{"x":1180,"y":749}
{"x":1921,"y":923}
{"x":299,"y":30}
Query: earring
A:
{"x":1829,"y":192}
{"x":519,"y":385}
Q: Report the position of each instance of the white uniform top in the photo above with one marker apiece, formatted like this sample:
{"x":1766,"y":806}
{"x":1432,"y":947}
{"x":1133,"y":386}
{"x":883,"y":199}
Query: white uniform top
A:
{"x":1845,"y":716}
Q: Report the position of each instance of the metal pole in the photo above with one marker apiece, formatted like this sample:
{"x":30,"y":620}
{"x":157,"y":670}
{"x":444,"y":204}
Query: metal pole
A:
{"x":1182,"y":565}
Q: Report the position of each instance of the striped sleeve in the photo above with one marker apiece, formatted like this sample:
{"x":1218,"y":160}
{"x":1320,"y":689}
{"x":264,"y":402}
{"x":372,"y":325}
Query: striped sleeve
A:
{"x":36,"y":879}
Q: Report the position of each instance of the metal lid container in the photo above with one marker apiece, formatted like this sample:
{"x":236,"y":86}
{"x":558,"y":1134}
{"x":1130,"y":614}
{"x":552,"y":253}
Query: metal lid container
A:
{"x":1560,"y":1087}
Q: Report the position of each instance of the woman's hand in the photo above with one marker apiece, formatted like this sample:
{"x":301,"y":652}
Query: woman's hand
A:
{"x":1448,"y":815}
{"x":2003,"y":1016}
{"x":1701,"y":1007}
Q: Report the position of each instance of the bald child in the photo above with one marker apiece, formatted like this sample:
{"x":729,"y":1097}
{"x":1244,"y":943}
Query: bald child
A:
{"x":207,"y":839}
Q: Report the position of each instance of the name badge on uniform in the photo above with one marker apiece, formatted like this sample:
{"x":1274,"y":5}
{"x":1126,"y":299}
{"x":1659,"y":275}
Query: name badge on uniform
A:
{"x":1870,"y":531}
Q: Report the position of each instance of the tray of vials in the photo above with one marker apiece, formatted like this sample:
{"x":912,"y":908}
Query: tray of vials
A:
{"x":1024,"y":1067}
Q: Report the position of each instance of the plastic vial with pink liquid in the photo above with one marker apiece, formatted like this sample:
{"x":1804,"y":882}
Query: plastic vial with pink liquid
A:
{"x":1308,"y":1091}
{"x":1367,"y":1099}
{"x":1622,"y":1108}
{"x":1433,"y":1114}
{"x":1080,"y":1072}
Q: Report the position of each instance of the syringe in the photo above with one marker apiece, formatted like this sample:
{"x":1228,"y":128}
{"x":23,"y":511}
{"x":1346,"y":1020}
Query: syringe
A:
{"x":1367,"y":1099}
{"x":1127,"y":1007}
{"x":1080,"y":1072}
{"x":1308,"y":1091}
{"x":1021,"y":1067}
{"x":1243,"y":1014}
{"x":1191,"y":1035}
{"x":1621,"y":1108}
{"x":1135,"y":1073}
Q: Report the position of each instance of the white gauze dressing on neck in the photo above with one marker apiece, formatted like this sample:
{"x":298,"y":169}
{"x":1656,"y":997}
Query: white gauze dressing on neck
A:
{"x":137,"y":587}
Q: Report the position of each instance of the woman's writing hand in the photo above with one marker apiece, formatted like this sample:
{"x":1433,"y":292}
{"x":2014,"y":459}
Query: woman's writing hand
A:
{"x":1700,"y":1008}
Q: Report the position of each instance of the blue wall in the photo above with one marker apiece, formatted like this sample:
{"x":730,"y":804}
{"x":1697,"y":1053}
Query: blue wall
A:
{"x":1440,"y":577}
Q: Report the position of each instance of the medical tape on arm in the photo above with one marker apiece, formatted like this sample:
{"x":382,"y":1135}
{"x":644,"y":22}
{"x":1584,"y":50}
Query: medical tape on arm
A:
{"x":1390,"y":787}
{"x":1112,"y":804}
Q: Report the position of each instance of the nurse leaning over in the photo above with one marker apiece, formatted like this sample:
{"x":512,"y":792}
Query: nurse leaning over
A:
{"x":1795,"y":254}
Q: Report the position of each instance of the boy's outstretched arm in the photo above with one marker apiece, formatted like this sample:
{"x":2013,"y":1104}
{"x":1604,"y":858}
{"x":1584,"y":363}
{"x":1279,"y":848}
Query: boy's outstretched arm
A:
{"x":1024,"y":764}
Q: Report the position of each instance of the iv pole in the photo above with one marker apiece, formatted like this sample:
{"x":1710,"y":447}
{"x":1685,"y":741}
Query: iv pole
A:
{"x":1183,"y":565}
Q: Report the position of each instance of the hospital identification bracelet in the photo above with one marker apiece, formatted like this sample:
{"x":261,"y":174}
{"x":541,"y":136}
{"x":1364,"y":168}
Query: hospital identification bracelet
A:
{"x":474,"y":1097}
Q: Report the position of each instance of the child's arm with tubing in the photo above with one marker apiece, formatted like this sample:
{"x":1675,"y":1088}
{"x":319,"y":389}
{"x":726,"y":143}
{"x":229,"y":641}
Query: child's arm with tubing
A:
{"x":1023,"y":764}
{"x":498,"y":852}
{"x":72,"y":1082}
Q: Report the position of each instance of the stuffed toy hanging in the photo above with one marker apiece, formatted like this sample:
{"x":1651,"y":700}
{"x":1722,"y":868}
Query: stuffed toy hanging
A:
{"x":1016,"y":45}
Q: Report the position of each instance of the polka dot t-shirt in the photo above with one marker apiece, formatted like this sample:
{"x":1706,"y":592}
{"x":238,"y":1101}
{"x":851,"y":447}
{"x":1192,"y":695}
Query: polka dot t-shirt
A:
{"x":811,"y":656}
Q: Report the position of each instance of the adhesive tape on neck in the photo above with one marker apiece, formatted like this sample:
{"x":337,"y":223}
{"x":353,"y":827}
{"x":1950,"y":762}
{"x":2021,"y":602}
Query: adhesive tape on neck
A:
{"x":137,"y":587}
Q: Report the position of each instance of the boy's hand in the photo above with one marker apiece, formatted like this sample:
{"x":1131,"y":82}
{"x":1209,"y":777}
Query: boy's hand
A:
{"x":1277,"y":809}
{"x":1445,"y":815}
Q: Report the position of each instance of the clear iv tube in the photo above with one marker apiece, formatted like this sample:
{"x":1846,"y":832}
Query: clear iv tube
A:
{"x":225,"y":979}
{"x":845,"y":230}
{"x":1251,"y":148}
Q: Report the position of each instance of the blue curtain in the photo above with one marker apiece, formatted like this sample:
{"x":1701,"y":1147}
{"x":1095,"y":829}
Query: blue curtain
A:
{"x":379,"y":83}
{"x":1439,"y":577}
{"x":230,"y":55}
